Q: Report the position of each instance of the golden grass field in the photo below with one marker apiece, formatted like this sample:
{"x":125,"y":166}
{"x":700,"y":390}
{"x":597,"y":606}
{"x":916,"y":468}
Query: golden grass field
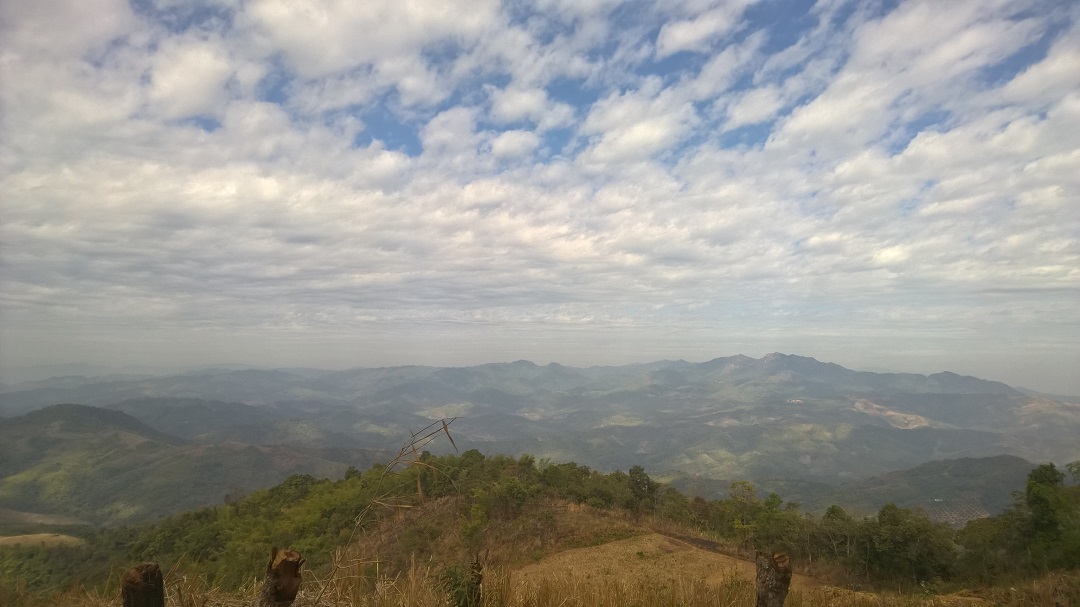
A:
{"x":646,"y":571}
{"x":652,"y":557}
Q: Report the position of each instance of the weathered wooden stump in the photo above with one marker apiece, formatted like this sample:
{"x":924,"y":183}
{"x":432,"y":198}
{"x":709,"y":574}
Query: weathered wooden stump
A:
{"x":773,"y":578}
{"x":143,"y":586}
{"x":282,"y":578}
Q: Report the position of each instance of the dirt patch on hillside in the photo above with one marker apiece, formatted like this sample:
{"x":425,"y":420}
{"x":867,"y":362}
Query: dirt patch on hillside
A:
{"x":896,"y":419}
{"x":40,"y":539}
{"x":651,"y":557}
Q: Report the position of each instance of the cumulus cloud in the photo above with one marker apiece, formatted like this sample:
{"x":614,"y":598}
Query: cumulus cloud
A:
{"x":636,"y":125}
{"x":515,"y":104}
{"x":378,"y":183}
{"x":188,"y":78}
{"x":697,"y":33}
{"x":319,"y":38}
{"x":752,"y":107}
{"x":514,"y":143}
{"x":64,"y":27}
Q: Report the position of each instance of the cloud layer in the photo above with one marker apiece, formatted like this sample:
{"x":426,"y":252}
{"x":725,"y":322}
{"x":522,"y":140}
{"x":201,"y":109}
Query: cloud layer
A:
{"x":342,"y":183}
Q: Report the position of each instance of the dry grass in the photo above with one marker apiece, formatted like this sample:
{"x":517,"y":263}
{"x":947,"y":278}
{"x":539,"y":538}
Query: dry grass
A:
{"x":40,"y":539}
{"x":512,"y":543}
{"x":419,"y":587}
{"x":653,"y":557}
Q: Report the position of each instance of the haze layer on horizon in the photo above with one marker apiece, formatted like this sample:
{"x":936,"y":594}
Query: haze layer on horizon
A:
{"x":336,"y":184}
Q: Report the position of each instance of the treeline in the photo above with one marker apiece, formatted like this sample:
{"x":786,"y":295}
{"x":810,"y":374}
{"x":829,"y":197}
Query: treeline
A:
{"x":897,"y":546}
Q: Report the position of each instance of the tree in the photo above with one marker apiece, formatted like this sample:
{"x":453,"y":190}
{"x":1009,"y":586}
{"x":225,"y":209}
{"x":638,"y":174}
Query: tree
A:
{"x":1053,"y":519}
{"x":776,"y":528}
{"x":1044,"y":499}
{"x":993,"y":547}
{"x":902,"y":544}
{"x":1074,"y":470}
{"x":674,"y":506}
{"x":641,"y":486}
{"x":837,"y":530}
{"x":507,"y":498}
{"x":745,"y":502}
{"x":642,"y":489}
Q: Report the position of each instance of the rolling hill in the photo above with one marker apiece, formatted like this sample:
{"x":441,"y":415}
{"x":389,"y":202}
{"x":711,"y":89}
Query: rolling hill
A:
{"x":953,"y":491}
{"x":105,"y":466}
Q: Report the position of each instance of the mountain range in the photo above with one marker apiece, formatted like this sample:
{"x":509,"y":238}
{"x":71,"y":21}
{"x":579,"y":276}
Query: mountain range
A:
{"x":780,"y":417}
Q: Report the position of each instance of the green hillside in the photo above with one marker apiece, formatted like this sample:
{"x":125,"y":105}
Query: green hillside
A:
{"x":986,"y":485}
{"x":193,"y":418}
{"x":443,"y":510}
{"x":105,"y":466}
{"x":951,"y":490}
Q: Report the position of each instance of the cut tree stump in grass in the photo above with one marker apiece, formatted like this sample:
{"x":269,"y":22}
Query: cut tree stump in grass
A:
{"x":143,"y":586}
{"x":773,"y":578}
{"x":282,"y":578}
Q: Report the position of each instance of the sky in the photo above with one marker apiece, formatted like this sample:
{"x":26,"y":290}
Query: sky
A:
{"x":331,"y":183}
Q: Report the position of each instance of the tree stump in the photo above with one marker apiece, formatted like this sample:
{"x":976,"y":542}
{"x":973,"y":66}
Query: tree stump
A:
{"x":773,"y":578}
{"x":143,"y":586}
{"x":282,"y":578}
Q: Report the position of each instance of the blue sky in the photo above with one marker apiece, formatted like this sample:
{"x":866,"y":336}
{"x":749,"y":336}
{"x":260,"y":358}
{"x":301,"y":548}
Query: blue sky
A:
{"x":336,"y":183}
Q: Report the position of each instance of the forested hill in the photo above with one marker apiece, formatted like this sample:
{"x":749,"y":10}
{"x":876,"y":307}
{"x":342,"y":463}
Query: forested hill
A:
{"x":952,"y":490}
{"x":516,"y":508}
{"x":105,"y":466}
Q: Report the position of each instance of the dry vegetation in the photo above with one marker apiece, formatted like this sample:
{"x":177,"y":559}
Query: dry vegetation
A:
{"x":420,"y":587}
{"x":593,"y":559}
{"x":643,"y":570}
{"x":653,"y":557}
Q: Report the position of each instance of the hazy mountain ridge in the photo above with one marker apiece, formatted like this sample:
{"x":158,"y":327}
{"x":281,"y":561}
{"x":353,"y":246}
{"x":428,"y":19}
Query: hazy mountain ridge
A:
{"x":192,"y":418}
{"x":733,"y":417}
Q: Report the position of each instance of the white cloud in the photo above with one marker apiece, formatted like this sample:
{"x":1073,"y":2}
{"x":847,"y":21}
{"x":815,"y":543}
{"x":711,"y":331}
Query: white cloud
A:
{"x":512,"y":144}
{"x":697,"y":33}
{"x":754,"y":106}
{"x":534,"y":177}
{"x":515,"y":104}
{"x":451,"y":130}
{"x":722,"y":70}
{"x":1055,"y":76}
{"x":891,"y":255}
{"x":64,"y":27}
{"x":637,"y":124}
{"x":189,"y":77}
{"x":328,"y":36}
